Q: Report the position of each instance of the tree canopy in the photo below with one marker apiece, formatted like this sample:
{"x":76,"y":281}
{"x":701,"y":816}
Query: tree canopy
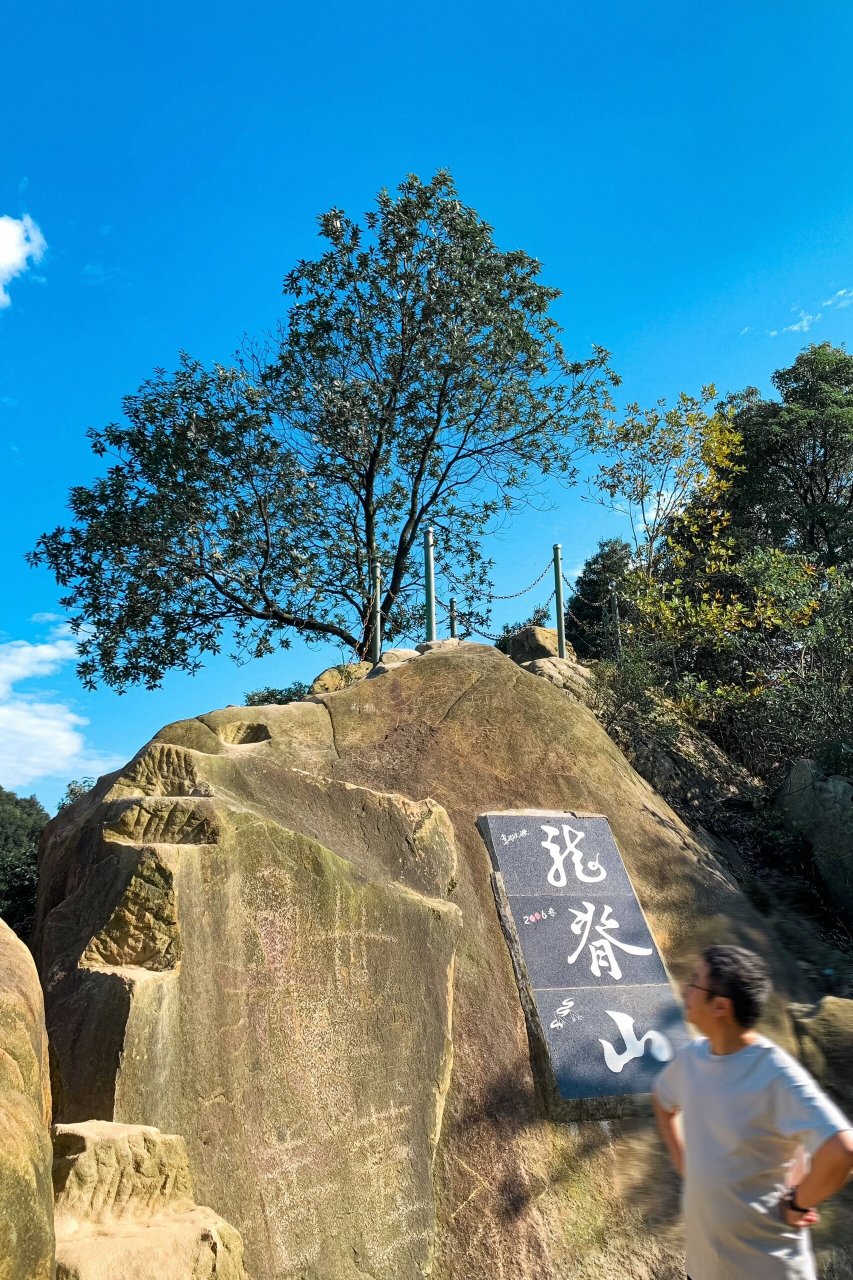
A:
{"x":22,"y":820}
{"x":735,"y":602}
{"x":795,"y":489}
{"x":418,"y":377}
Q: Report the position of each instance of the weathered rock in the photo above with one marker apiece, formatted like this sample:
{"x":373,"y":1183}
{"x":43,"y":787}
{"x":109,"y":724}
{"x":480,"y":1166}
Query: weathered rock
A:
{"x":825,"y":1034}
{"x":431,"y":646}
{"x":339,"y":677}
{"x":392,"y":656}
{"x":567,"y":674}
{"x":291,"y":1013}
{"x":124,"y":1207}
{"x":104,"y":1172}
{"x":26,"y":1194}
{"x":822,"y":808}
{"x":531,"y":643}
{"x":301,"y":1039}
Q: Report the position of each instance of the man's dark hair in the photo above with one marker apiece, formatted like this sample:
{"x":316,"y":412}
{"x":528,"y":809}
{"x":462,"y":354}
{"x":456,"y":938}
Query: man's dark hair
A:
{"x":743,"y":977}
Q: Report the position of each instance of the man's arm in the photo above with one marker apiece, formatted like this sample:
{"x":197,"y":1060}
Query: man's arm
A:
{"x":831,"y":1166}
{"x":670,"y":1131}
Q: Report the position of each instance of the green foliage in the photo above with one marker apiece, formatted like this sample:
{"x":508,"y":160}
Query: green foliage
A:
{"x":590,"y":624}
{"x":723,"y":611}
{"x":627,"y":697}
{"x":417,"y":377}
{"x":792,"y":694}
{"x":654,"y":461}
{"x":22,"y":820}
{"x":836,"y":755}
{"x":795,"y":490}
{"x":76,"y":788}
{"x":294,"y":692}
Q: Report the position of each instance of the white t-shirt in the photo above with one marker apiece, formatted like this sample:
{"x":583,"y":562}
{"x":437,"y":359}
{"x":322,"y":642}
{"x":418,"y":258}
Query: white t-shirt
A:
{"x":745,"y":1116}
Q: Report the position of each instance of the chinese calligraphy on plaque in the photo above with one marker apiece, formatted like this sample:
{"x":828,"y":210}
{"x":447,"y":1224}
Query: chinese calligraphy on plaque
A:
{"x":600,"y":988}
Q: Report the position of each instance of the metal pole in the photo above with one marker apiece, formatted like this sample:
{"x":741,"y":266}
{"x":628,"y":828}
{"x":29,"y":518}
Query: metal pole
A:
{"x":376,"y":611}
{"x":429,"y":582}
{"x":452,"y":617}
{"x":614,"y":614}
{"x":558,"y":586}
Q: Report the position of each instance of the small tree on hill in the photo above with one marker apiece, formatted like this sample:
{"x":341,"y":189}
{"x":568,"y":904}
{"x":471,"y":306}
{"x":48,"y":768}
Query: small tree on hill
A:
{"x":22,"y":820}
{"x":589,"y":613}
{"x":277,"y":697}
{"x":76,"y":788}
{"x":417,"y":378}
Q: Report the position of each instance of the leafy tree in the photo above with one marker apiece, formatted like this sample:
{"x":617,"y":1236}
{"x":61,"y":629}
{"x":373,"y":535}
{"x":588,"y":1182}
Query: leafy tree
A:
{"x":76,"y":788}
{"x":22,"y":820}
{"x":654,"y":461}
{"x":589,"y":612}
{"x":418,"y":377}
{"x":294,"y":692}
{"x":795,"y":489}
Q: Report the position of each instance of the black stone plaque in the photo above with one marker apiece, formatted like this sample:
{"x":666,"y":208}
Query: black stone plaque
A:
{"x":599,"y":1005}
{"x":608,"y":1043}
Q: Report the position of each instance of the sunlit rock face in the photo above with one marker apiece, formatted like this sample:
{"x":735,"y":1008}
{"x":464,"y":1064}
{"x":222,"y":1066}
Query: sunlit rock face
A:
{"x":26,"y":1193}
{"x":275,"y":934}
{"x":125,"y":1208}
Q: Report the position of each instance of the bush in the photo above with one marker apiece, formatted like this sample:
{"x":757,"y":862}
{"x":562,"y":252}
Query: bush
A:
{"x":22,"y":820}
{"x":277,"y":697}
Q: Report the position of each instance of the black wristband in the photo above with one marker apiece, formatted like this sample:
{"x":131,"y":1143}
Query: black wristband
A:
{"x":791,"y":1201}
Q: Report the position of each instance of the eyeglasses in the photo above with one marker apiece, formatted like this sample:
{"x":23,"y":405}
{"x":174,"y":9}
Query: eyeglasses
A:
{"x":696,"y":987}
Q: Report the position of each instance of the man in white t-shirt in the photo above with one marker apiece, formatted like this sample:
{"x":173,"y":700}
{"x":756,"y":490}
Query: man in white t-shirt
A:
{"x":749,"y":1112}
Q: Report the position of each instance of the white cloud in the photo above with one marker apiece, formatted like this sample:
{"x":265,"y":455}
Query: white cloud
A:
{"x":840,"y":299}
{"x":746,"y":329}
{"x":20,"y":240}
{"x":20,"y":660}
{"x":804,"y":323}
{"x":41,"y":738}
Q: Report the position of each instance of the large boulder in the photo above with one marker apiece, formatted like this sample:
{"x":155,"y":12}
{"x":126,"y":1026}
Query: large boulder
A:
{"x":26,"y":1193}
{"x":531,"y":643}
{"x":263,"y":962}
{"x":124,"y":1207}
{"x":252,"y":936}
{"x":825,"y":1033}
{"x":567,"y":674}
{"x":821,"y":808}
{"x":334,"y":678}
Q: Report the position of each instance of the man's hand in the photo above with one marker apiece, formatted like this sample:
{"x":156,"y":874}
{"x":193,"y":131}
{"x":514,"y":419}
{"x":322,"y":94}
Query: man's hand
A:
{"x":831,"y":1166}
{"x":796,"y":1217}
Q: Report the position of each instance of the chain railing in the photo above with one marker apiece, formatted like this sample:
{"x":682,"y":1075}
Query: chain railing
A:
{"x":454,"y":616}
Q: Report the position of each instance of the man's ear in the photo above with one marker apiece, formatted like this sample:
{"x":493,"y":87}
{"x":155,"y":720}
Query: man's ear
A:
{"x":721,"y":1007}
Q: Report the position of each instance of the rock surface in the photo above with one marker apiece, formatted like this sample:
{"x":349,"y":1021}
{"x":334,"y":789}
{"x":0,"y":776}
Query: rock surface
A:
{"x":567,"y":674}
{"x":334,"y":678}
{"x":249,"y":930}
{"x":124,"y":1208}
{"x":822,"y":808}
{"x":826,"y":1045}
{"x":26,"y":1194}
{"x":265,"y":960}
{"x":531,"y":643}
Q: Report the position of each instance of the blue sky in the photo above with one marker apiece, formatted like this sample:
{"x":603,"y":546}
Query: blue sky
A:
{"x":683,"y":172}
